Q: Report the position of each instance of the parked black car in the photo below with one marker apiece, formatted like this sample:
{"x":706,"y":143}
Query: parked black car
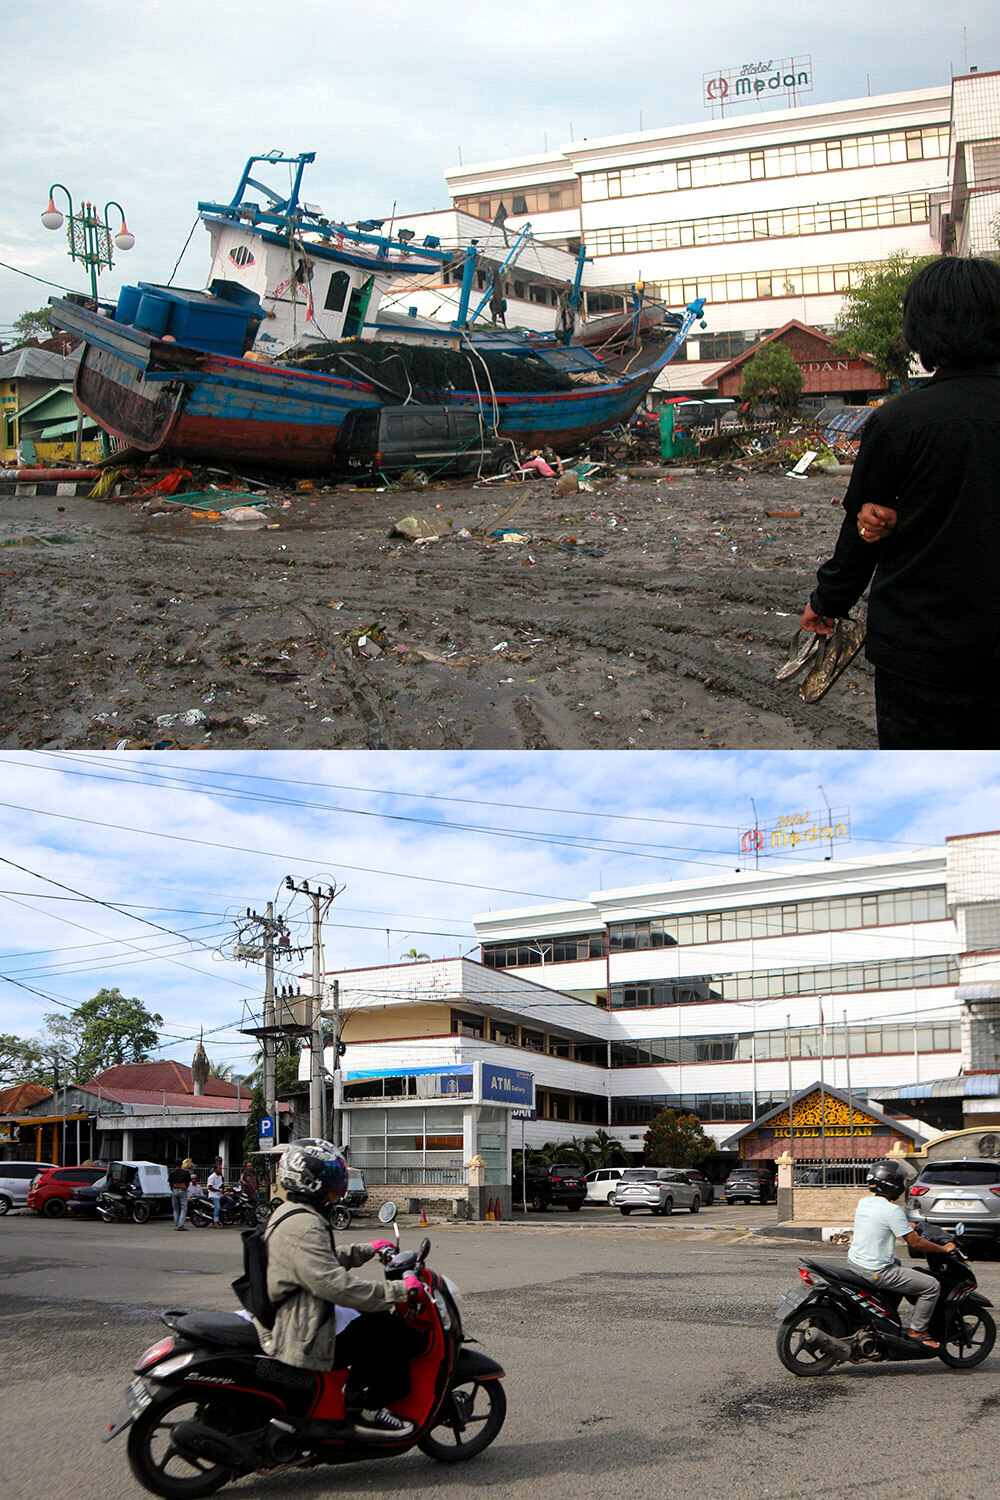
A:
{"x":751,"y":1185}
{"x":430,"y":442}
{"x":555,"y":1184}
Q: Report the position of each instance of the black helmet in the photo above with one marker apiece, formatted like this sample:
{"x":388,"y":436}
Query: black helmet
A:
{"x":308,"y":1169}
{"x":886,"y":1178}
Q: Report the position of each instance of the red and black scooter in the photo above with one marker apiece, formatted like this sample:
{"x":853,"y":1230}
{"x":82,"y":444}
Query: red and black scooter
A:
{"x":837,"y":1317}
{"x":208,"y":1405}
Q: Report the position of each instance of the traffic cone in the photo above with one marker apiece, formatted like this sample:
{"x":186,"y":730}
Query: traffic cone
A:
{"x":496,"y":1209}
{"x":423,"y":1215}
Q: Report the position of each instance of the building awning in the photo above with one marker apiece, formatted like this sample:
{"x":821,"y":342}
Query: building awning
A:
{"x":965,"y":1086}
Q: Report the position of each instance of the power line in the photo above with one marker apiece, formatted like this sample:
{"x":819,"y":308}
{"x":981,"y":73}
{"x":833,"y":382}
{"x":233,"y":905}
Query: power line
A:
{"x":178,"y":838}
{"x":478,"y":802}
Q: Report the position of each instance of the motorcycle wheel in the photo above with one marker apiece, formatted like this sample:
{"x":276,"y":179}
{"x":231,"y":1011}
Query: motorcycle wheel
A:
{"x":340,"y":1217}
{"x":158,"y":1465}
{"x":263,"y":1211}
{"x":141,"y":1213}
{"x":248,"y":1215}
{"x":199,"y":1217}
{"x":479,"y":1405}
{"x":970,"y":1337}
{"x":800,"y":1357}
{"x":228,"y":1216}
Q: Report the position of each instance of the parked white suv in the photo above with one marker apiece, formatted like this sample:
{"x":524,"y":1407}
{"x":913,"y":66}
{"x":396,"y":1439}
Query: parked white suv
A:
{"x":601,"y":1184}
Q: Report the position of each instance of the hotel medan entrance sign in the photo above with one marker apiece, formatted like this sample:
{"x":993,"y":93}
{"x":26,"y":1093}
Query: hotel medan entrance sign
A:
{"x":808,"y":1118}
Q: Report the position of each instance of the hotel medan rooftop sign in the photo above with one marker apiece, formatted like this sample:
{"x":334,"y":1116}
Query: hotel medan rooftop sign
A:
{"x":794,"y":829}
{"x":758,"y":80}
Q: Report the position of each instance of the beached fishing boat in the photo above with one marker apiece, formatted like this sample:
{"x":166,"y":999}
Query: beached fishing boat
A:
{"x":262,"y":367}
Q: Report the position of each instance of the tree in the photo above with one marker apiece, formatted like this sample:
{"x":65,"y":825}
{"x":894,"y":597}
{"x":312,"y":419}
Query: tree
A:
{"x":871,"y":315}
{"x":251,"y":1136}
{"x":604,"y":1151}
{"x":772,"y":374}
{"x":102,"y":1033}
{"x":21,"y":1061}
{"x":286,"y":1069}
{"x":674,"y":1140}
{"x":32,"y":325}
{"x":412,"y":953}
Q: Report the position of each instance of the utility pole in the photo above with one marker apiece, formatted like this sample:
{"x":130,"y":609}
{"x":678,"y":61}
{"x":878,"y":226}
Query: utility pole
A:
{"x":318,"y":898}
{"x":257,"y":937}
{"x":269,"y":1039}
{"x":338,"y":1047}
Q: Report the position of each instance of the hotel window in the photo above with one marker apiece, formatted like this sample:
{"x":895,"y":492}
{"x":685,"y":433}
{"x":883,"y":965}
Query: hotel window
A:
{"x":790,"y":160}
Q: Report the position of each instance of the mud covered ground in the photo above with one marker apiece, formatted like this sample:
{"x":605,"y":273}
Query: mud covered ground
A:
{"x":650,"y":615}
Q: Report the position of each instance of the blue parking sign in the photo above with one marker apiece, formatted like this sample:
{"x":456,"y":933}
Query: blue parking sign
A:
{"x":265,"y":1131}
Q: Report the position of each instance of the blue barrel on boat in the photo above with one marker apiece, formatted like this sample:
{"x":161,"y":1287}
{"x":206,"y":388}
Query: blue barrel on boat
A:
{"x":128,"y":304}
{"x":153,"y":313}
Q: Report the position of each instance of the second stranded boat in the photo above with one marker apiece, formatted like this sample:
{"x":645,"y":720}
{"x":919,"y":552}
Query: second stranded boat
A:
{"x":262,"y":368}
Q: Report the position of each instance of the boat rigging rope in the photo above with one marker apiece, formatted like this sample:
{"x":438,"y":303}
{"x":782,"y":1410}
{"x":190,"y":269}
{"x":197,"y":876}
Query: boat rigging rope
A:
{"x":180,"y":257}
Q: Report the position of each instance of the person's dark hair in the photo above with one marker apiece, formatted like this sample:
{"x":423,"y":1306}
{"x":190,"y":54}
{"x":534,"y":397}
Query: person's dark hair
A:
{"x":951,"y":313}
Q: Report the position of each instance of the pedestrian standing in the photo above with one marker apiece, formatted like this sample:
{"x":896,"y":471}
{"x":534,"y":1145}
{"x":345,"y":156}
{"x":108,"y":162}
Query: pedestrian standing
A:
{"x":922,"y":524}
{"x":215,"y":1184}
{"x":248,"y":1182}
{"x":179,"y":1179}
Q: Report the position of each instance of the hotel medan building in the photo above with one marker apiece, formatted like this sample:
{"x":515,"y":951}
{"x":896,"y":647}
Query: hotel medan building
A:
{"x":769,"y":216}
{"x":714,"y":995}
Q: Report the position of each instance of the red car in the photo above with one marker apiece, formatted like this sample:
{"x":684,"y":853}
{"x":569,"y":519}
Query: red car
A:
{"x":49,"y":1193}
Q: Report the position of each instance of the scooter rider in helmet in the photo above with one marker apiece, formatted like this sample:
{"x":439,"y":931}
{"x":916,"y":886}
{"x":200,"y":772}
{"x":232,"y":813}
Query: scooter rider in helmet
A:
{"x":878,"y":1222}
{"x":327,"y":1318}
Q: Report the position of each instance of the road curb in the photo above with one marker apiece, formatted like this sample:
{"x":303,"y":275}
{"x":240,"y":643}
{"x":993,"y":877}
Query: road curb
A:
{"x":830,"y":1234}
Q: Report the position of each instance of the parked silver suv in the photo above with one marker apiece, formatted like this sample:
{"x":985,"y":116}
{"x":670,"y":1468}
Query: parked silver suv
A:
{"x":949,"y":1192}
{"x":660,"y":1189}
{"x":16,"y":1178}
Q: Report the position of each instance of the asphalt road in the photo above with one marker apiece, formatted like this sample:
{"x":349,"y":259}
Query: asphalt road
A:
{"x":640,"y":1358}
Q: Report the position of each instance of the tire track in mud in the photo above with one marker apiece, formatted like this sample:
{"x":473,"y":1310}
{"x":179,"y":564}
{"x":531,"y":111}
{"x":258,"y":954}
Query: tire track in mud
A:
{"x":700,"y":659}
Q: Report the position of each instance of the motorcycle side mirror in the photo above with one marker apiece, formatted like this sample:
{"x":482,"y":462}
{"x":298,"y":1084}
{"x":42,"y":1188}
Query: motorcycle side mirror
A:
{"x":424,"y":1251}
{"x":387,"y":1215}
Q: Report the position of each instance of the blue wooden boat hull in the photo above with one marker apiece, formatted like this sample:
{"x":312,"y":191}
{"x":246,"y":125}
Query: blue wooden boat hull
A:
{"x":160,"y":396}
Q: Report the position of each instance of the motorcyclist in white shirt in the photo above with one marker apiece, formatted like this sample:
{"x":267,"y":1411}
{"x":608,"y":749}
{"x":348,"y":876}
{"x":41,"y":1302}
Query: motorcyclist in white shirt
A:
{"x":878,"y":1222}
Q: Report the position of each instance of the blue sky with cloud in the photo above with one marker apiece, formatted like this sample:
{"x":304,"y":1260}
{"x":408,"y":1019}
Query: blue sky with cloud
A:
{"x":158,"y":106}
{"x":177,"y":846}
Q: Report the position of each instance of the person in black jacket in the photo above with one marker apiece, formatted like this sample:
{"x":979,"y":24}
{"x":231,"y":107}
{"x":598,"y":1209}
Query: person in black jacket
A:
{"x":922,"y":524}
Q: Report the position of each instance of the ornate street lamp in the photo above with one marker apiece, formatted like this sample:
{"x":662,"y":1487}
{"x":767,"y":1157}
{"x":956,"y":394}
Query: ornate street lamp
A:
{"x":89,"y":233}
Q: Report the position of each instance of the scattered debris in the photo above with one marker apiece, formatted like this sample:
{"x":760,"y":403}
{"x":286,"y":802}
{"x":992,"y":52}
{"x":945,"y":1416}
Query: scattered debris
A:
{"x":416,"y":528}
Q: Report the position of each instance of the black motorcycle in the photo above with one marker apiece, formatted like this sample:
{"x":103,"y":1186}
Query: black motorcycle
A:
{"x":120,"y":1201}
{"x":838,"y":1317}
{"x":208,"y":1405}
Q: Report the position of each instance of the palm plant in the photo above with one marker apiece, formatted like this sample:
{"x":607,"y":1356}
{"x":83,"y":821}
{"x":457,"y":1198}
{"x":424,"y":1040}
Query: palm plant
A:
{"x":604,"y":1151}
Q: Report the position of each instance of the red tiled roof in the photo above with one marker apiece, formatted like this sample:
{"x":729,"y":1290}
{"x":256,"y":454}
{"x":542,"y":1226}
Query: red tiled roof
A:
{"x":21,"y":1095}
{"x":175,"y":1077}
